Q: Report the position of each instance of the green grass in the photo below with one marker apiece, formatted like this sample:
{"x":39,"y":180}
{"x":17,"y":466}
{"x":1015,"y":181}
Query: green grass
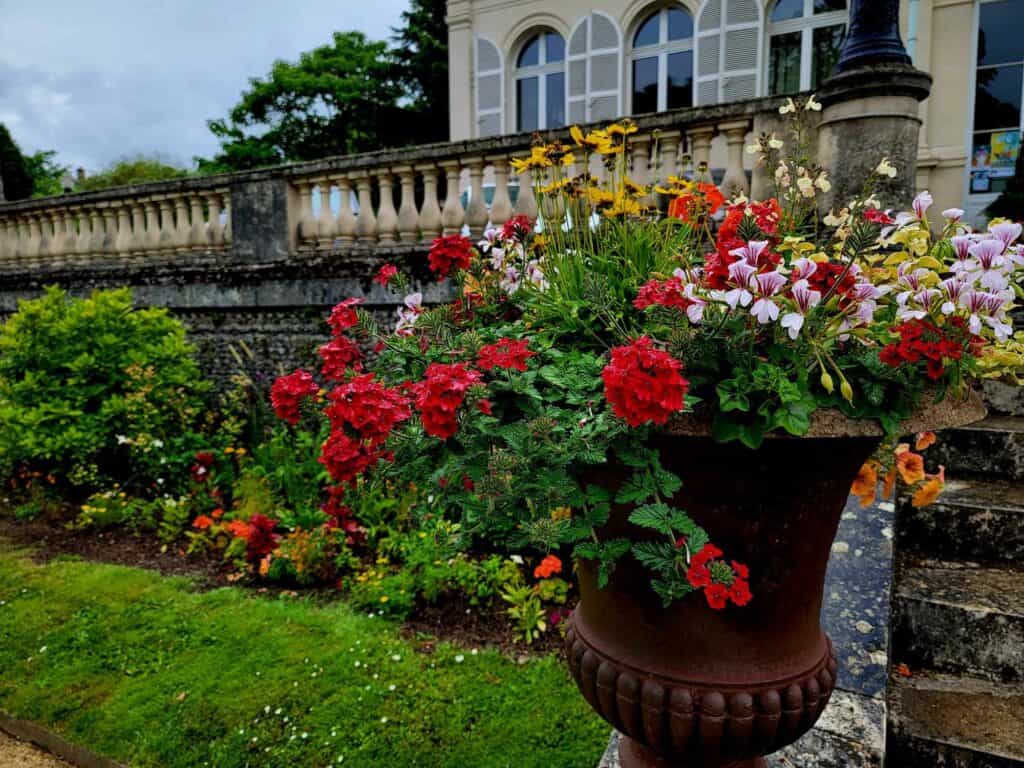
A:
{"x":145,"y":670}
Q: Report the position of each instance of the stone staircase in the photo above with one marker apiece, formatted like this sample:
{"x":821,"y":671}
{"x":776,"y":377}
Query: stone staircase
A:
{"x":958,"y":604}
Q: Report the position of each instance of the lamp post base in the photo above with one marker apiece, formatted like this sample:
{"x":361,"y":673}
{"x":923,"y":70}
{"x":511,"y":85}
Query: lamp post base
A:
{"x":632,"y":754}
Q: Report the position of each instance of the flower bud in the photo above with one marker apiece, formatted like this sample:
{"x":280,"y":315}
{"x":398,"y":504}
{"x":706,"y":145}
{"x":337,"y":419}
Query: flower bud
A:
{"x":826,"y":382}
{"x":847,"y":390}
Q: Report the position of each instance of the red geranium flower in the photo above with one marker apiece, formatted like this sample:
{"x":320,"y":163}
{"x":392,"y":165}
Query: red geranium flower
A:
{"x":517,"y":228}
{"x":664,"y":293}
{"x":261,"y":540}
{"x":339,"y":355}
{"x":922,"y":340}
{"x":385,"y":274}
{"x":643,"y":384}
{"x":549,"y":566}
{"x":717,"y":596}
{"x":739,"y":592}
{"x":448,"y":253}
{"x":288,"y":392}
{"x":506,"y":353}
{"x":705,"y":201}
{"x":440,"y":394}
{"x":369,"y":408}
{"x":344,"y":316}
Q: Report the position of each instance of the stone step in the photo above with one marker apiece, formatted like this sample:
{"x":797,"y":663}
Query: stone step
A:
{"x":992,"y":446}
{"x":976,"y":518}
{"x":959,"y":618}
{"x":1003,"y":399}
{"x":954,"y":722}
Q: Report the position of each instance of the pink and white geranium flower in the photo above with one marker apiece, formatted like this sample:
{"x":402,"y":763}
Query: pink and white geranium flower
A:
{"x":805,"y":299}
{"x":767,"y":285}
{"x":407,"y":314}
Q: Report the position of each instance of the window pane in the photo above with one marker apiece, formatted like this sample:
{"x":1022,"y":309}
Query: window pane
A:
{"x":680,"y":79}
{"x":999,"y":36}
{"x":784,"y":64}
{"x":645,"y":85}
{"x":827,"y":6}
{"x":555,"y":100}
{"x":527,"y":101}
{"x":993,"y":160}
{"x":680,"y":24}
{"x":555,"y":47}
{"x":648,"y":33}
{"x":530,"y":55}
{"x":827,"y":43}
{"x":788,"y":9}
{"x":997,"y":99}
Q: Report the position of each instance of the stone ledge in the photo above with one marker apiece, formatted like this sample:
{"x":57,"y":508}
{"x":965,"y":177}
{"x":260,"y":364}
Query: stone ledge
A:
{"x":51,"y":742}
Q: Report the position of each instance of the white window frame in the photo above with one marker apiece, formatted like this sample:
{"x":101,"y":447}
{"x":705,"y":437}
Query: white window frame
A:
{"x":723,"y":76}
{"x":805,"y":25}
{"x":541,"y":70}
{"x":481,"y":114}
{"x":662,"y":50}
{"x":590,"y":96}
{"x":976,"y":202}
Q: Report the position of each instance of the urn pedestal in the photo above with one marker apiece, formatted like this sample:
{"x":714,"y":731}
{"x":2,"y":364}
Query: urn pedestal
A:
{"x":691,"y":687}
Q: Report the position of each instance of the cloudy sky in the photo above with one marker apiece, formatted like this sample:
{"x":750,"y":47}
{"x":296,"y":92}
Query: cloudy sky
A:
{"x":99,"y":80}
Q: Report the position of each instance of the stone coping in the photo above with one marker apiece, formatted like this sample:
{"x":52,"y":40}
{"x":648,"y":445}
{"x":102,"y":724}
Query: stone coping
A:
{"x":24,"y":730}
{"x":830,"y":423}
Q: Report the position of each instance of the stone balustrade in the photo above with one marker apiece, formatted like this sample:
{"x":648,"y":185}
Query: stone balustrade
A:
{"x":393,"y":199}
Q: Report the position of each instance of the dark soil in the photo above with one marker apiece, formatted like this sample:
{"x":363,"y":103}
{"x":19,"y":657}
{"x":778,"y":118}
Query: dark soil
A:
{"x":452,"y":619}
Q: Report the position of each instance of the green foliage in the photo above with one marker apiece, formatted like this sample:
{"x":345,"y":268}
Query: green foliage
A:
{"x":47,"y":174}
{"x":136,"y":170}
{"x":526,"y":611}
{"x":420,"y":56}
{"x":14,"y":171}
{"x":95,"y":392}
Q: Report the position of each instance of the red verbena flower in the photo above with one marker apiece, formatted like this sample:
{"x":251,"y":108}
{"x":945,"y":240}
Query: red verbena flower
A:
{"x":261,"y":540}
{"x":484,"y":406}
{"x":506,"y":353}
{"x":385,"y":274}
{"x":288,"y":392}
{"x":739,"y":592}
{"x":440,"y":394}
{"x":340,"y":355}
{"x":549,"y":566}
{"x":368,"y":407}
{"x":664,"y":293}
{"x":643,"y":384}
{"x":717,"y":596}
{"x":922,"y":340}
{"x":345,"y":458}
{"x":448,"y":253}
{"x":344,"y":316}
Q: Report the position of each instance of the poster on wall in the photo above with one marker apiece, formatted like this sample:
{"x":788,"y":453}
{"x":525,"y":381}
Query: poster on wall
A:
{"x":981,"y":181}
{"x":982,"y":156}
{"x":1005,"y":149}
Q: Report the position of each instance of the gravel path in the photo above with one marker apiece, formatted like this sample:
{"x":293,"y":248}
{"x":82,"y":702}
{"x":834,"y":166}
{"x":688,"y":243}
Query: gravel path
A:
{"x":18,"y":754}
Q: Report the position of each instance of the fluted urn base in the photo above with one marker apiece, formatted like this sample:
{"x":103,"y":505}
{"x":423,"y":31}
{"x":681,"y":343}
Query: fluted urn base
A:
{"x":633,"y":754}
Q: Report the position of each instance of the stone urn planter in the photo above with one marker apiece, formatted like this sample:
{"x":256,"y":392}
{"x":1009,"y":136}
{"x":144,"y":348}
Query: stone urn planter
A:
{"x":689,"y":686}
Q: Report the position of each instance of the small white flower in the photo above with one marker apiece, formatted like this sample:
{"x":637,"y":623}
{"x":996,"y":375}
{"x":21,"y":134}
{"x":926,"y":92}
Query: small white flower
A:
{"x":812,"y":104}
{"x":396,"y":657}
{"x":383,"y":719}
{"x":885,"y":168}
{"x":517,"y":559}
{"x":775,"y":143}
{"x":459,"y":659}
{"x":787,"y":108}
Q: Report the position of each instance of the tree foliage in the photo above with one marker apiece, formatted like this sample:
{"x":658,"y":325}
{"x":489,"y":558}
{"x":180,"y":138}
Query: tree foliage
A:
{"x":14,"y":171}
{"x":352,"y":95}
{"x":136,"y":170}
{"x":46,"y":173}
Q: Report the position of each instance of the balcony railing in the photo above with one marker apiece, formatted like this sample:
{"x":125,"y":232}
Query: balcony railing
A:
{"x":391,"y":198}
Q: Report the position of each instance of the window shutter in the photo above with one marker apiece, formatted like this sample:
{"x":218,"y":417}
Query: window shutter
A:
{"x":490,"y":89}
{"x":594,"y":63}
{"x":728,"y":50}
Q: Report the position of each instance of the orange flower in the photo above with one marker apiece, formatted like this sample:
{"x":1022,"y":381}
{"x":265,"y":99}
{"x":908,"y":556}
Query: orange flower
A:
{"x":265,"y":566}
{"x":903,"y":670}
{"x":910,"y":466}
{"x":707,"y":200}
{"x":889,"y":486}
{"x":549,"y":566}
{"x":239,"y":529}
{"x":866,"y":485}
{"x":202,"y":522}
{"x":218,"y":513}
{"x":924,"y":440}
{"x":930,"y":491}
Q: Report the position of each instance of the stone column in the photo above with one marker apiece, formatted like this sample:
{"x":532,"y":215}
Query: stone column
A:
{"x":501,"y":206}
{"x":430,"y":212}
{"x":735,"y":179}
{"x":408,"y":216}
{"x":387,"y":216}
{"x":870,"y":108}
{"x":452,"y":214}
{"x":700,"y":147}
{"x":477,"y":214}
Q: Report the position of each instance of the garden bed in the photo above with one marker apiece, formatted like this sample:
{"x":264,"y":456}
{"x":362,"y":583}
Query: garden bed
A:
{"x":148,"y":670}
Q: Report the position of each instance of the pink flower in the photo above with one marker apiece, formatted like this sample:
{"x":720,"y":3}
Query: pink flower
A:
{"x":922,"y":203}
{"x":805,"y":300}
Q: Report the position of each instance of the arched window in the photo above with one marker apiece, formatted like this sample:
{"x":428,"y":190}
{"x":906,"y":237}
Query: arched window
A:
{"x":805,"y":37}
{"x":662,"y":62}
{"x":540,"y":83}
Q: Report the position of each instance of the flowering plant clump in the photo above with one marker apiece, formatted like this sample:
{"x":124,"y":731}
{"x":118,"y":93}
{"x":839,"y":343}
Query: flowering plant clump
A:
{"x":570,"y":339}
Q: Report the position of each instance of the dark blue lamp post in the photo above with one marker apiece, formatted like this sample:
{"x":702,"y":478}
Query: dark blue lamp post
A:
{"x":873,"y":36}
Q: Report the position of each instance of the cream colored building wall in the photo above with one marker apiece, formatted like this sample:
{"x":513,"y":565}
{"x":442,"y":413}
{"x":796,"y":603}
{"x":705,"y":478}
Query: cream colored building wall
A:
{"x":944,"y":46}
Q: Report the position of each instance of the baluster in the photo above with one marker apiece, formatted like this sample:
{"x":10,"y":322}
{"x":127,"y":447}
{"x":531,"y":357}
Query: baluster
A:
{"x":83,"y":243}
{"x":69,"y":236}
{"x":735,"y":181}
{"x":408,"y":218}
{"x":167,"y":230}
{"x":366,"y":222}
{"x":123,"y":241}
{"x":325,"y":227}
{"x":182,"y":227}
{"x":107,"y":246}
{"x":151,"y":238}
{"x":6,"y":242}
{"x":430,"y":214}
{"x":526,"y":203}
{"x":56,"y":234}
{"x":700,"y":147}
{"x":136,"y":244}
{"x":226,"y":197}
{"x":197,"y":230}
{"x":346,"y":222}
{"x":670,"y":141}
{"x":501,"y":205}
{"x":387,"y":216}
{"x":641,"y":170}
{"x":452,"y":215}
{"x":580,"y":161}
{"x":35,"y":238}
{"x":476,"y":214}
{"x":214,"y":227}
{"x":307,"y":224}
{"x":46,"y":236}
{"x":20,"y":238}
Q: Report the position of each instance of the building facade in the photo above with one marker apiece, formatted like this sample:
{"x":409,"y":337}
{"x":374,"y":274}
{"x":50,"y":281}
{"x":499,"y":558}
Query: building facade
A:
{"x":524,"y":65}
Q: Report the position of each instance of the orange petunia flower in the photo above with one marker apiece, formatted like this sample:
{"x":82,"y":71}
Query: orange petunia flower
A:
{"x":549,"y":566}
{"x":924,"y":440}
{"x":930,"y":491}
{"x":910,"y":466}
{"x":889,"y":485}
{"x":865,"y":486}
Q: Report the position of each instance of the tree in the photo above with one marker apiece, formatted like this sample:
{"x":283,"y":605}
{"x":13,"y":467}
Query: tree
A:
{"x":14,"y":173}
{"x":336,"y":99}
{"x":1010,"y":204}
{"x":46,"y":173}
{"x":421,"y":62}
{"x":136,"y":170}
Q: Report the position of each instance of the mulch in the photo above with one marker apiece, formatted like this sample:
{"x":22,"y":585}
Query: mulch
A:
{"x":452,"y":619}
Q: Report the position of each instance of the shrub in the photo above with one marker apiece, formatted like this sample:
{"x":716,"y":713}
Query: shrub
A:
{"x":96,"y":392}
